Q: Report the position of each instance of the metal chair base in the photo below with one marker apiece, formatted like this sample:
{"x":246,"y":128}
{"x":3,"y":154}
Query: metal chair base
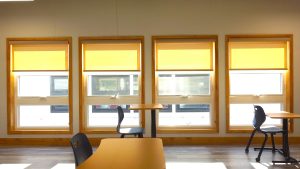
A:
{"x":289,"y":160}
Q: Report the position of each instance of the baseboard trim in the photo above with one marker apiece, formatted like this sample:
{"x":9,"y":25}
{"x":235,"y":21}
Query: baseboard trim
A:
{"x":222,"y":140}
{"x":166,"y":141}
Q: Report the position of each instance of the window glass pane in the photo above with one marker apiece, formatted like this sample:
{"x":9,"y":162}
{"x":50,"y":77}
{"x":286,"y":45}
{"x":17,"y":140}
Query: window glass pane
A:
{"x":184,"y":84}
{"x":107,"y":116}
{"x":165,"y":84}
{"x":242,"y":114}
{"x":43,"y":116}
{"x":107,"y":85}
{"x":186,"y":115}
{"x":256,"y":83}
{"x":42,"y":85}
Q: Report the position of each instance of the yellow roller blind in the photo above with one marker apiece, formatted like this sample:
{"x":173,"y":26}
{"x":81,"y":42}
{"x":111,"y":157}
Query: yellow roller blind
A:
{"x":184,"y":55}
{"x":258,"y":55}
{"x":112,"y":56}
{"x":33,"y":57}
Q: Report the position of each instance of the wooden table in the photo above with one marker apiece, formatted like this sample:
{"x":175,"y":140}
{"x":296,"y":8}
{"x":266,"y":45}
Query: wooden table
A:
{"x":153,"y":108}
{"x":129,"y":153}
{"x":285,"y":137}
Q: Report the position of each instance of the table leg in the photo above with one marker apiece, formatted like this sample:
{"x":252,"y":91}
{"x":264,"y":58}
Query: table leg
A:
{"x":285,"y":144}
{"x":153,"y":123}
{"x":285,"y":139}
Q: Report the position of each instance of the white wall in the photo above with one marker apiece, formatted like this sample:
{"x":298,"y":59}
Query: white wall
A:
{"x":48,"y":18}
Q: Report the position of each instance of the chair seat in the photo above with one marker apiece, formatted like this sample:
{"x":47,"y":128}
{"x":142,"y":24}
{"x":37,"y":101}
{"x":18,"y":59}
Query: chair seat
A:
{"x":132,"y":130}
{"x":271,"y":129}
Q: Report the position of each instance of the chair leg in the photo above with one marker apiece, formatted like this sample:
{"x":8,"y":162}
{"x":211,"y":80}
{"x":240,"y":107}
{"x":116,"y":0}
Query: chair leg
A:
{"x":141,"y":135}
{"x":122,"y":135}
{"x":273,"y":143}
{"x":249,"y":141}
{"x":262,"y":148}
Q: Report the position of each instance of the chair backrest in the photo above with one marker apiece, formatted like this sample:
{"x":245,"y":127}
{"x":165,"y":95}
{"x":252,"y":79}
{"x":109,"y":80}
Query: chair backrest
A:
{"x":120,"y":117}
{"x":81,"y":147}
{"x":259,"y":116}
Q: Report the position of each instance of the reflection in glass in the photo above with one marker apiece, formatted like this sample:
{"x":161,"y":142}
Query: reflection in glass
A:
{"x":59,"y":86}
{"x":184,"y":84}
{"x":107,"y":85}
{"x":192,"y":108}
{"x":167,"y":108}
{"x":59,"y":108}
{"x":105,"y":108}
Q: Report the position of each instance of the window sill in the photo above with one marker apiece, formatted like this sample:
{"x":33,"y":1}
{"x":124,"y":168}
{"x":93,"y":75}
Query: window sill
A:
{"x":176,"y":130}
{"x":40,"y":131}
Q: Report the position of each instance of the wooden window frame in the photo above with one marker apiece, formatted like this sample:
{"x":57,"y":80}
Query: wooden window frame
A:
{"x":215,"y":95}
{"x":288,"y":77}
{"x":82,"y":81}
{"x":11,"y":112}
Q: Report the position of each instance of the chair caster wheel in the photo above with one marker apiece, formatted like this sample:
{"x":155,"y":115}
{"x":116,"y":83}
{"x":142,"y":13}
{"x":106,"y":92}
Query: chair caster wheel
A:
{"x":246,"y":150}
{"x":257,"y":159}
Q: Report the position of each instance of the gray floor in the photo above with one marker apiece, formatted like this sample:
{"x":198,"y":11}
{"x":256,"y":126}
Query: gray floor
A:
{"x":177,"y":157}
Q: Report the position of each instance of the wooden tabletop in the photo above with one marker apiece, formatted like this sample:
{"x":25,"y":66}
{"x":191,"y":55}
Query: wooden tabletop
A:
{"x":145,"y":106}
{"x":127,"y":153}
{"x":283,"y":115}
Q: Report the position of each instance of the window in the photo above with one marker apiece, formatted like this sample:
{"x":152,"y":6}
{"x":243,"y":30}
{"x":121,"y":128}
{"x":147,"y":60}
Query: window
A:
{"x":185,"y":81}
{"x":39,"y":97}
{"x":111,"y":75}
{"x":258,"y":72}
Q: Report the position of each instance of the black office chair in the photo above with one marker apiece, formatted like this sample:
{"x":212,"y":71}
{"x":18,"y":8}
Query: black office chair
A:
{"x":81,"y":147}
{"x":136,"y":131}
{"x":258,"y":120}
